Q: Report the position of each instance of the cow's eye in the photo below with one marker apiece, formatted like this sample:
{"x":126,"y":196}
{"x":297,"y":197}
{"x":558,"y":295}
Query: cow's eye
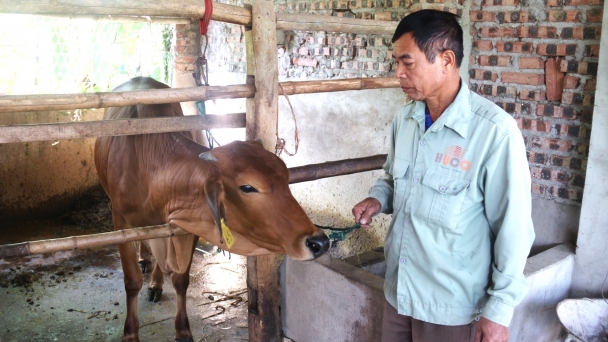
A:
{"x":247,"y":188}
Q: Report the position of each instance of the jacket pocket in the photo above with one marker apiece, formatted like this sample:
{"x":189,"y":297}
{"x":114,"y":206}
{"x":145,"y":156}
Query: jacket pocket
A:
{"x":401,"y":183}
{"x":441,"y":199}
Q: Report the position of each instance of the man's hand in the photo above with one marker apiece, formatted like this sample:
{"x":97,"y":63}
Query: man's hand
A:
{"x":364,"y":211}
{"x":488,"y":331}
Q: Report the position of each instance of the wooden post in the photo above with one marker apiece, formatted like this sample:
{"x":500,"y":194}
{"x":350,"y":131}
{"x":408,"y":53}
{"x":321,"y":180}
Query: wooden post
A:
{"x":262,"y":115}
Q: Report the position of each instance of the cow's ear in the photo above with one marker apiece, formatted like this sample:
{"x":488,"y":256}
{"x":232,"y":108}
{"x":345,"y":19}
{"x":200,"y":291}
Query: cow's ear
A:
{"x":208,"y":156}
{"x":213,"y":192}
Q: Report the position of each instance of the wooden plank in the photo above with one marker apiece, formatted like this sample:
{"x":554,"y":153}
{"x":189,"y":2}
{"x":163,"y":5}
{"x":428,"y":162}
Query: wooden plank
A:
{"x":124,"y":18}
{"x":154,"y":8}
{"x":262,"y":115}
{"x":88,"y":241}
{"x":335,"y":168}
{"x":308,"y":22}
{"x":28,"y":103}
{"x":91,"y":129}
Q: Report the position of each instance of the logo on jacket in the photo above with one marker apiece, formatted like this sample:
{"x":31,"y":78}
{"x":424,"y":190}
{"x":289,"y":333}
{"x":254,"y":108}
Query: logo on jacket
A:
{"x":454,"y":157}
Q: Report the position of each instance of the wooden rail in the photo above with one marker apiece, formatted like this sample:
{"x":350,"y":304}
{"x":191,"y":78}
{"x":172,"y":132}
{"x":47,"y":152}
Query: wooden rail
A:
{"x":92,"y":129}
{"x":312,"y":172}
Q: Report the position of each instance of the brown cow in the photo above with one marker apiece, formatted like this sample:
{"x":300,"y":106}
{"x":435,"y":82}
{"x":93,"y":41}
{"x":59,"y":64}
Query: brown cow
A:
{"x":154,"y":179}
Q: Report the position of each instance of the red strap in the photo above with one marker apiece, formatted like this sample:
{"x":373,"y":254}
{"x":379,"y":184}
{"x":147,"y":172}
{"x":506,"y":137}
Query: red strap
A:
{"x":204,"y":21}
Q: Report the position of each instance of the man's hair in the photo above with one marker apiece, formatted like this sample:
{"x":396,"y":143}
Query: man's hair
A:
{"x":434,"y":32}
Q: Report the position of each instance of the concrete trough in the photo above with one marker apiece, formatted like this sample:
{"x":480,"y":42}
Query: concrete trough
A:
{"x":334,"y":300}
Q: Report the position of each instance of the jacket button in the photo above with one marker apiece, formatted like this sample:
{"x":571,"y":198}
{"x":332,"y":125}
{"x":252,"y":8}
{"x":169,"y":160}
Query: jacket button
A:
{"x":442,"y":189}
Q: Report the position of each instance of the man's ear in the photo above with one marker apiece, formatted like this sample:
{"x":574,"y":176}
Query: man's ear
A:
{"x":448,"y":59}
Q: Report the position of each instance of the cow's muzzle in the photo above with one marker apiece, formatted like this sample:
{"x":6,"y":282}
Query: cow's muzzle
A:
{"x":318,"y":245}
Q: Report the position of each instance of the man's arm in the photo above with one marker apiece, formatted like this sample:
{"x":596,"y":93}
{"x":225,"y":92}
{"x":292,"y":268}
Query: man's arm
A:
{"x":507,"y":201}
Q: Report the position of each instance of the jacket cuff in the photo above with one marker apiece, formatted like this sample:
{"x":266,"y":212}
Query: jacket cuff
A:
{"x":498,"y":312}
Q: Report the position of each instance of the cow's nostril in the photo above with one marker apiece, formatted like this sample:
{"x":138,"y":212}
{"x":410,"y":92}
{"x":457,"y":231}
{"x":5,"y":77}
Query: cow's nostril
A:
{"x":318,"y":245}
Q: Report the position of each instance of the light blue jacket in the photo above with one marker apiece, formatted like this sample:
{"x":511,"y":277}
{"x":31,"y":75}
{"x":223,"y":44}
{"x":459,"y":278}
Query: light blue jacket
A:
{"x":460,"y":198}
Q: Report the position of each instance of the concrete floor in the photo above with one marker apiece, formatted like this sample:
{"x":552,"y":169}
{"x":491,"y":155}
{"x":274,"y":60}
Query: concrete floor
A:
{"x":79,"y":295}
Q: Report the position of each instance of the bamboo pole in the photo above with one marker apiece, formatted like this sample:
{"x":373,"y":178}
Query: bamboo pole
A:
{"x":195,"y":9}
{"x":25,"y":103}
{"x":335,"y":168}
{"x":91,"y":129}
{"x":88,"y":241}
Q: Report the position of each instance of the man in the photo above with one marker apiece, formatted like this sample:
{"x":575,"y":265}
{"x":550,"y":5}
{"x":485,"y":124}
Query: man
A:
{"x":458,"y":185}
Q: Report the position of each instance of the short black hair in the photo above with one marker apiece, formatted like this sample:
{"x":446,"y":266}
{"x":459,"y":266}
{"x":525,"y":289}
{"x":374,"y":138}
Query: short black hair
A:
{"x":433,"y":31}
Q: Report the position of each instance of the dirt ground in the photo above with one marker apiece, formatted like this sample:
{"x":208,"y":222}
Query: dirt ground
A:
{"x":79,"y":295}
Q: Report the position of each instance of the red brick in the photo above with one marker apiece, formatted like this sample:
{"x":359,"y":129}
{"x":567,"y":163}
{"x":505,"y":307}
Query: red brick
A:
{"x":500,"y":2}
{"x":501,"y":61}
{"x":359,"y":41}
{"x":515,"y":108}
{"x":376,"y":41}
{"x":571,"y":16}
{"x":514,"y":17}
{"x":590,"y":84}
{"x":551,"y":144}
{"x":480,"y":74}
{"x":581,"y":32}
{"x":494,"y":90}
{"x":517,"y":47}
{"x":594,"y":15}
{"x":481,"y":16}
{"x":537,"y":157}
{"x":592,"y":50}
{"x":559,"y":176}
{"x":582,"y":2}
{"x":582,"y":149}
{"x":571,"y":82}
{"x":554,"y":80}
{"x":556,"y":112}
{"x":538,"y":189}
{"x":536,"y":32}
{"x":496,"y":32}
{"x":531,"y":63}
{"x":579,"y":67}
{"x":556,"y":49}
{"x":386,"y":16}
{"x":483,"y":45}
{"x":339,"y":4}
{"x":535,"y":125}
{"x":367,"y":16}
{"x":303,"y":51}
{"x":577,"y":99}
{"x":522,"y":78}
{"x":532,"y":95}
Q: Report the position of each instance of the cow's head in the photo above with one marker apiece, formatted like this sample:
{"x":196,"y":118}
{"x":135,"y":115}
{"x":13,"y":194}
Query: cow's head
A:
{"x":249,"y":192}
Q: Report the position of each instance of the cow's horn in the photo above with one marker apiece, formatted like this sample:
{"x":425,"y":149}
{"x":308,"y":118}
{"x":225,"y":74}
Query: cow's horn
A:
{"x":208,"y":156}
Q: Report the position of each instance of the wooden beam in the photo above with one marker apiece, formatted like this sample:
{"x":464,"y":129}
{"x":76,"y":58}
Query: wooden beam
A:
{"x":195,"y":9}
{"x":91,"y":129}
{"x":124,"y":18}
{"x":28,"y":103}
{"x":153,"y":8}
{"x":262,"y":115}
{"x":88,"y":241}
{"x":335,"y":168}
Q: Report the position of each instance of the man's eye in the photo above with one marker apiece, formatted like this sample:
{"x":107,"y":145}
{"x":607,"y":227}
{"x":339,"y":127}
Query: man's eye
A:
{"x":247,"y":188}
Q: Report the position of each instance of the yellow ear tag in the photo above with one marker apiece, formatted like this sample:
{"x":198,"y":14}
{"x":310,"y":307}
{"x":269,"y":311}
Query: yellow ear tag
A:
{"x":227,"y":234}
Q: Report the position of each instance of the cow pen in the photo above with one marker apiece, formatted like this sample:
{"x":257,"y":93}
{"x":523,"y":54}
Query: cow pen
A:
{"x":261,"y":92}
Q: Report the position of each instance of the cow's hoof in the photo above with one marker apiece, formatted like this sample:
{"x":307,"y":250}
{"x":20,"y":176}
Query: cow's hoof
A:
{"x":189,"y":339}
{"x":154,"y":294}
{"x":145,"y":265}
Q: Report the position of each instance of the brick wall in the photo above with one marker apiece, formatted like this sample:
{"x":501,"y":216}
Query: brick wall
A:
{"x":537,"y":61}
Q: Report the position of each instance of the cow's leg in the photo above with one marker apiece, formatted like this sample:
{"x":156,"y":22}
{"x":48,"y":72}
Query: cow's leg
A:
{"x":145,"y":262}
{"x":133,"y":279}
{"x":180,"y":283}
{"x":155,"y":288}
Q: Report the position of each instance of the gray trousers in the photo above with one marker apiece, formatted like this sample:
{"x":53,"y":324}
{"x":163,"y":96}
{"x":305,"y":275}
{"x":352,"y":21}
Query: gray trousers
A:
{"x":399,"y":328}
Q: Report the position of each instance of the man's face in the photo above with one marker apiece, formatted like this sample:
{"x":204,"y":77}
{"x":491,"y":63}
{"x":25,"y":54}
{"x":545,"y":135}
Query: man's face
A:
{"x":418,"y":77}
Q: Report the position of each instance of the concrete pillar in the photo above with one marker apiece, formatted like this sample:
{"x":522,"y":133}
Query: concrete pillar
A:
{"x":591,"y":267}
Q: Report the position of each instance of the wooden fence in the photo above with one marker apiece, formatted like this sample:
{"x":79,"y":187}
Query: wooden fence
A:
{"x":261,"y":93}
